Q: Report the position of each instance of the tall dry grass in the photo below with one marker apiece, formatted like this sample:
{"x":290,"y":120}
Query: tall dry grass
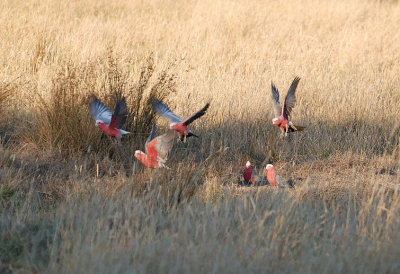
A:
{"x":70,"y":200}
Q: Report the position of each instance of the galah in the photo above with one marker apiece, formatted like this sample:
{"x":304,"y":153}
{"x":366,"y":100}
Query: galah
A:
{"x":157,"y":149}
{"x":274,"y":179}
{"x":108,"y":122}
{"x":282,"y":114}
{"x":176,"y":123}
{"x":247,"y":172}
{"x":251,"y":176}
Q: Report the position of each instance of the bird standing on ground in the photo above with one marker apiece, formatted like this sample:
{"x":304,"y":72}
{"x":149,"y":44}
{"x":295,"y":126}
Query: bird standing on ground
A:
{"x":157,"y":149}
{"x":176,"y":123}
{"x":282,"y":114}
{"x":274,"y":179}
{"x":108,"y":122}
{"x":247,"y":172}
{"x":251,"y":176}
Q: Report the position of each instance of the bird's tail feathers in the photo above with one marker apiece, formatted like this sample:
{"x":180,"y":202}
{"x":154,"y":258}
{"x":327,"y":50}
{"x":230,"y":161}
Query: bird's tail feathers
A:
{"x":163,"y":165}
{"x":190,"y":134}
{"x":123,"y":132}
{"x":297,"y":128}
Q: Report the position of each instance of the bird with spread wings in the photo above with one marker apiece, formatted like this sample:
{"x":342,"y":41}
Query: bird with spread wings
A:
{"x":157,"y":149}
{"x":108,"y":122}
{"x":282,"y":113}
{"x":176,"y":123}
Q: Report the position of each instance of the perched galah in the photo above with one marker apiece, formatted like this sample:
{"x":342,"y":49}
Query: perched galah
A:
{"x":110,"y":123}
{"x":274,"y":179}
{"x":157,"y":149}
{"x":247,"y":172}
{"x":176,"y":123}
{"x":282,"y":114}
{"x":251,"y":176}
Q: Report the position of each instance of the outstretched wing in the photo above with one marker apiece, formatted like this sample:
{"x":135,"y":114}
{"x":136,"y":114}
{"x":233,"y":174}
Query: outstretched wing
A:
{"x":120,"y":113}
{"x":164,"y":111}
{"x":151,"y":137}
{"x":100,"y":111}
{"x":164,"y":144}
{"x":197,"y":115}
{"x":275,"y":101}
{"x":290,"y":99}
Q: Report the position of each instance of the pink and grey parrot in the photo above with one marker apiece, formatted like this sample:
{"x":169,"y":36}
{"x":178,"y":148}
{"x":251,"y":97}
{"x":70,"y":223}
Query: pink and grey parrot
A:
{"x":282,"y":114}
{"x":274,"y":179}
{"x":176,"y":123}
{"x":157,"y":149}
{"x":108,"y":122}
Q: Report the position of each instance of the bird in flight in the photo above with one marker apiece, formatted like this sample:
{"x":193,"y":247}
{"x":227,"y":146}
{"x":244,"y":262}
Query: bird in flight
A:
{"x":157,"y":149}
{"x":176,"y":123}
{"x":282,"y":114}
{"x":108,"y":122}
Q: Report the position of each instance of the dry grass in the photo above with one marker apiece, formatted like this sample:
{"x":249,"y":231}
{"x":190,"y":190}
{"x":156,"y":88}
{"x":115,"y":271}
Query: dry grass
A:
{"x":70,"y":200}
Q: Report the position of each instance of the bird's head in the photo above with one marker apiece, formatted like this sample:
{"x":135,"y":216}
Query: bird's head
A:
{"x":138,"y":154}
{"x":248,"y":164}
{"x":269,"y":166}
{"x":98,"y":122}
{"x":275,"y":121}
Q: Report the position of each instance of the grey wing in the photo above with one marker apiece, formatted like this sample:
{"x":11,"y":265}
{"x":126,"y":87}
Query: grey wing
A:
{"x":281,"y":182}
{"x":100,"y":111}
{"x":275,"y":101}
{"x":151,"y":137}
{"x":290,"y":99}
{"x":257,"y":178}
{"x":164,"y":111}
{"x":121,"y":113}
{"x":164,"y":144}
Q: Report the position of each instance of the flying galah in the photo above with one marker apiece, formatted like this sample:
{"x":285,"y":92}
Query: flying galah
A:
{"x":110,"y":123}
{"x":176,"y":123}
{"x":157,"y":149}
{"x":282,"y":114}
{"x":274,"y":179}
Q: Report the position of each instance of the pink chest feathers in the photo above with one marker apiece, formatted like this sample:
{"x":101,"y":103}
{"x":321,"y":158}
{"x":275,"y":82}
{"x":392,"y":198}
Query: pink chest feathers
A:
{"x":271,"y":177}
{"x":182,"y":129}
{"x":113,"y":132}
{"x":147,"y":161}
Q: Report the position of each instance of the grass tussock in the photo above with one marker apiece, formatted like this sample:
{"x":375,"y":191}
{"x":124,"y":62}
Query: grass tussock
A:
{"x":70,"y":199}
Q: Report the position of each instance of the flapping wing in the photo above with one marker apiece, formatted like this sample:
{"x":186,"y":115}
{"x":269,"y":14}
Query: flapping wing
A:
{"x":100,"y":111}
{"x":164,"y":144}
{"x":290,"y":99}
{"x":151,"y":137}
{"x":197,"y":115}
{"x":164,"y":111}
{"x":120,"y":113}
{"x":275,"y":101}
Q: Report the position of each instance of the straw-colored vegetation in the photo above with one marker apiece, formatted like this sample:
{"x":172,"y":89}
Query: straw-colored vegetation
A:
{"x":71,"y":201}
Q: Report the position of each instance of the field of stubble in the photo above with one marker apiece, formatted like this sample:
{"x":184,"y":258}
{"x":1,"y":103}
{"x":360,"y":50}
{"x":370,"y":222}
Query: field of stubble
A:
{"x":73,"y":202}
